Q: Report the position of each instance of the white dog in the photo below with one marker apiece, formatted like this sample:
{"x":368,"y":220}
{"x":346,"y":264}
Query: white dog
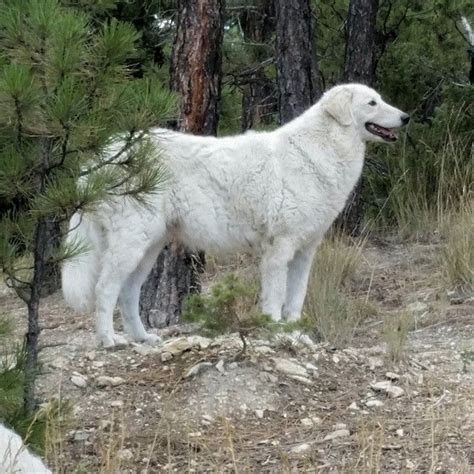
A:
{"x":274,"y":193}
{"x":15,"y":457}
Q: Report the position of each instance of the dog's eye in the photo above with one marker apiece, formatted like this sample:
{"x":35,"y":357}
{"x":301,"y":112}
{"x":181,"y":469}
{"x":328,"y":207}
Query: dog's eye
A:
{"x":372,"y":102}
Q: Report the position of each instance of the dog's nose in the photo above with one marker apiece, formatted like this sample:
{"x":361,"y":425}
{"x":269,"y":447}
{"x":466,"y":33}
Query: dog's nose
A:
{"x":405,"y":119}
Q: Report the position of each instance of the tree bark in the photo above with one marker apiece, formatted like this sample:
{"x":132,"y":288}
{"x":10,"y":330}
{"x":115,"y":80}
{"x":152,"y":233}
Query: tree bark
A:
{"x":258,"y":95}
{"x":297,"y":71}
{"x":361,"y":59}
{"x":196,"y":76}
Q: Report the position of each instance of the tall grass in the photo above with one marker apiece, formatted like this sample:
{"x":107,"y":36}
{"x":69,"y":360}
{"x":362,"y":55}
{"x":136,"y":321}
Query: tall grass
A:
{"x":329,"y":311}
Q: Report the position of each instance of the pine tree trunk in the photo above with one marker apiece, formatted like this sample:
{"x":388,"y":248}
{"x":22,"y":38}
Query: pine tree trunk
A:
{"x":297,"y":71}
{"x":196,"y":76}
{"x":258,"y":95}
{"x":359,"y":66}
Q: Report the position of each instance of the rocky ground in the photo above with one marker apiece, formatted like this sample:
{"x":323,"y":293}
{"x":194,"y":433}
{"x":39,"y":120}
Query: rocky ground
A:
{"x":187,"y":406}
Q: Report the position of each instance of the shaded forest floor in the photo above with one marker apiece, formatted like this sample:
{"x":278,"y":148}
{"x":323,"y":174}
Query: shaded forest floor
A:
{"x":283,"y":407}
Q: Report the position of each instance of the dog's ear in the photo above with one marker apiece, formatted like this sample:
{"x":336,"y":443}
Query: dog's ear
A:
{"x":337,"y":104}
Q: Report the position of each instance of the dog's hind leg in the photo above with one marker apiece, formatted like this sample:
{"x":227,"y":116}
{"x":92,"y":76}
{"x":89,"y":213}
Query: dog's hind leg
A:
{"x":298,"y":274}
{"x":126,"y":249}
{"x":274,"y":269}
{"x":129,"y":299}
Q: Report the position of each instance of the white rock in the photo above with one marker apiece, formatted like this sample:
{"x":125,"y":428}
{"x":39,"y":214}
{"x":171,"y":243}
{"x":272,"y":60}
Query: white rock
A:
{"x":311,"y":366}
{"x":375,"y":362}
{"x":392,"y":376}
{"x":301,"y":449}
{"x":259,"y":413}
{"x":263,"y":350}
{"x":417,"y":307}
{"x":145,"y":349}
{"x":116,"y":403}
{"x":304,"y":380}
{"x":316,"y":420}
{"x":177,"y":346}
{"x":335,"y":359}
{"x":106,"y":381}
{"x":200,"y":341}
{"x":166,"y":356}
{"x":81,"y":436}
{"x":410,"y":465}
{"x":125,"y":454}
{"x":289,"y":368}
{"x":400,"y":432}
{"x":340,"y":426}
{"x":307,"y":422}
{"x":58,"y":363}
{"x":337,"y":434}
{"x":353,"y":406}
{"x":220,"y":366}
{"x":388,"y":388}
{"x":374,"y":403}
{"x":79,"y":380}
{"x":267,"y":377}
{"x":196,"y":369}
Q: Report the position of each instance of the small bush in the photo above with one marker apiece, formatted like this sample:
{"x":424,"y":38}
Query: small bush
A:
{"x":395,"y":334}
{"x":231,"y":306}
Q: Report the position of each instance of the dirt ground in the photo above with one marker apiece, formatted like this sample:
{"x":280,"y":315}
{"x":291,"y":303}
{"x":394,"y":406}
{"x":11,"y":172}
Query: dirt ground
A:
{"x":283,"y":407}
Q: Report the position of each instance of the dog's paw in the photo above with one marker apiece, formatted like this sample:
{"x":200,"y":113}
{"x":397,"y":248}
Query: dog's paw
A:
{"x":109,"y":341}
{"x":151,"y":339}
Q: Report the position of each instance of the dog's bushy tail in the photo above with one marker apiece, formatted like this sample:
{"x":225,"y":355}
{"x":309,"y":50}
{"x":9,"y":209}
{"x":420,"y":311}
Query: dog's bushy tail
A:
{"x":80,"y":273}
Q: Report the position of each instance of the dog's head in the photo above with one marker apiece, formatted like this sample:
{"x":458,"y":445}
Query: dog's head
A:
{"x":361,"y":107}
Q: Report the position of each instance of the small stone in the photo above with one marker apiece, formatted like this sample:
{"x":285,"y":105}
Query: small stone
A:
{"x":316,"y":420}
{"x":301,"y":449}
{"x":267,"y":377}
{"x":98,"y":364}
{"x":335,"y":359}
{"x":400,"y":432}
{"x":340,"y":426}
{"x":58,"y":363}
{"x":259,"y":413}
{"x":79,"y":380}
{"x":90,"y":355}
{"x":196,"y":369}
{"x":116,"y":403}
{"x":145,"y":349}
{"x":166,"y":356}
{"x":307,"y":422}
{"x":410,"y":465}
{"x":177,"y":346}
{"x":125,"y":454}
{"x":106,"y":381}
{"x":387,"y":387}
{"x":337,"y":434}
{"x":289,"y":368}
{"x":304,"y":380}
{"x":208,"y":418}
{"x":417,"y":307}
{"x":392,"y":376}
{"x":311,"y":366}
{"x":353,"y":406}
{"x":375,"y":362}
{"x":220,"y":366}
{"x":200,"y":342}
{"x":263,"y":350}
{"x":80,"y":436}
{"x":373,"y":403}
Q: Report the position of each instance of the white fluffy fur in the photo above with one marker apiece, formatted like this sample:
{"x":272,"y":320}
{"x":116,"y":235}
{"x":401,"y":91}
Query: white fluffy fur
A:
{"x":274,"y":193}
{"x":15,"y":457}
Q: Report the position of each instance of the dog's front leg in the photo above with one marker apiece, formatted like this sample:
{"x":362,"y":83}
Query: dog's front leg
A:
{"x":298,"y":274}
{"x":274,"y":269}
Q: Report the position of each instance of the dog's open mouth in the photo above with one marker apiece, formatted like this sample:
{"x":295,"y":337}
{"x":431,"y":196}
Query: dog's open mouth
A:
{"x":388,"y":134}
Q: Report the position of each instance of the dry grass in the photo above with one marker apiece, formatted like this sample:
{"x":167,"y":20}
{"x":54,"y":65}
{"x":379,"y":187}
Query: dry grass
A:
{"x":395,"y":334}
{"x":457,"y":253}
{"x":330,"y":311}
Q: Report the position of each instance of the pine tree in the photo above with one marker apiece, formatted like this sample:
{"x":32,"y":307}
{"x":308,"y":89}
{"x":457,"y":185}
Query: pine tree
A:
{"x":65,"y":95}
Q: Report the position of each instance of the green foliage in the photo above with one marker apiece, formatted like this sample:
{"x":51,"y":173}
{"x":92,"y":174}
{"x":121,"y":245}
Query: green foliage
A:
{"x":32,"y":427}
{"x":70,"y":109}
{"x":230,"y":307}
